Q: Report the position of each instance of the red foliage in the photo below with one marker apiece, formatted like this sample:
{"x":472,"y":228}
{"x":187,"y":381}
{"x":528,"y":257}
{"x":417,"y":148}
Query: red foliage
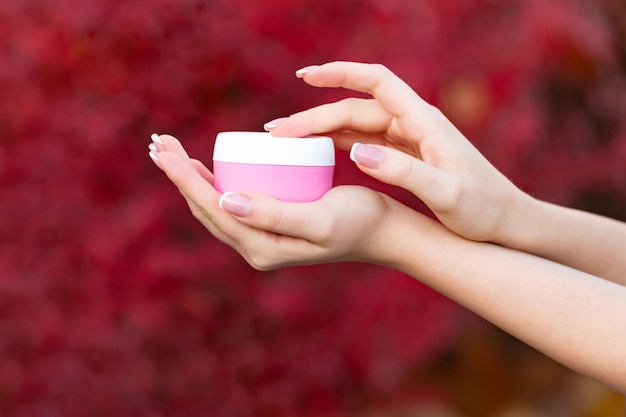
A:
{"x":114,"y":301}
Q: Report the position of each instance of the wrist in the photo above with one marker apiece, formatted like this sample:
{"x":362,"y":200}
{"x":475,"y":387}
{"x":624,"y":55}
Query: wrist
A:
{"x":404,"y":236}
{"x":520,"y":222}
{"x":377,"y":245}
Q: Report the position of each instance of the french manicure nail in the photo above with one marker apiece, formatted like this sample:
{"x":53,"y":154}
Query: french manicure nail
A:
{"x":157,"y":142}
{"x":301,"y":72}
{"x":152,"y":147}
{"x":365,"y":155}
{"x":236,"y":204}
{"x":274,"y":123}
{"x":155,"y":158}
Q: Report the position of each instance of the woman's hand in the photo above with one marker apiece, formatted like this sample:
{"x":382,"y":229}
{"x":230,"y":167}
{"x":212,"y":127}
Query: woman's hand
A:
{"x":400,"y":139}
{"x":347,"y":223}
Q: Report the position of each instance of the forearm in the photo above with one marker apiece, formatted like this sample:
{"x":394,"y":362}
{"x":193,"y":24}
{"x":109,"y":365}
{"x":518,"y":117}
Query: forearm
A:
{"x":581,"y":240}
{"x":574,"y":317}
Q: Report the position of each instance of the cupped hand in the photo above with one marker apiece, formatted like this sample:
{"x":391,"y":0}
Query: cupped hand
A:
{"x":347,"y":223}
{"x":398,"y":138}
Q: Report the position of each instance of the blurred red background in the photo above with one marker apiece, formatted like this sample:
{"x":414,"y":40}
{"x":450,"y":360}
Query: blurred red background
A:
{"x":114,"y":301}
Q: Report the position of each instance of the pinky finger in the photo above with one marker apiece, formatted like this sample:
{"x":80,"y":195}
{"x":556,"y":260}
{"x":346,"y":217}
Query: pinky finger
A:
{"x":202,"y":170}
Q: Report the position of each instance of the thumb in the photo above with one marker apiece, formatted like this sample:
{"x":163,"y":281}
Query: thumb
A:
{"x":261,"y":211}
{"x":391,"y":166}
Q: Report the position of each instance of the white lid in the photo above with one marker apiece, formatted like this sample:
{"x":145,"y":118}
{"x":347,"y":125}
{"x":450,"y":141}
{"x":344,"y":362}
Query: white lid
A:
{"x":263,"y":148}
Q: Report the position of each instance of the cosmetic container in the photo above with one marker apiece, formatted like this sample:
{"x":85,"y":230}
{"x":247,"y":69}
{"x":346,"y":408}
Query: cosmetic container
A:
{"x":289,"y":169}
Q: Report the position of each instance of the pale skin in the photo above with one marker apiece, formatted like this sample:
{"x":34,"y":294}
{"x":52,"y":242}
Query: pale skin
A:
{"x":552,"y":276}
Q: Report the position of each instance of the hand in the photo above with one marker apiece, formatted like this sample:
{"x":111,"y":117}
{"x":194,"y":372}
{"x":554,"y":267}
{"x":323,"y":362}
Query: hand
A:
{"x":347,"y":223}
{"x":411,"y":144}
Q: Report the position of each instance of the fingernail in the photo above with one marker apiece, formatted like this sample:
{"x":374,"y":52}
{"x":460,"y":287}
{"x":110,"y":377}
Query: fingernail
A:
{"x":274,"y":123}
{"x":365,"y":155}
{"x":155,"y":158}
{"x":157,"y":142}
{"x":301,"y":72}
{"x":152,"y":147}
{"x":235,"y":204}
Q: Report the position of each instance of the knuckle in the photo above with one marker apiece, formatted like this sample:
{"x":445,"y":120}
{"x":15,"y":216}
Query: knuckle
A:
{"x":261,"y":262}
{"x":325,"y":233}
{"x":451,"y":194}
{"x":323,"y":229}
{"x":270,"y":220}
{"x":380,"y":69}
{"x":262,"y":254}
{"x":403,"y":172}
{"x":345,"y":110}
{"x":380,"y":73}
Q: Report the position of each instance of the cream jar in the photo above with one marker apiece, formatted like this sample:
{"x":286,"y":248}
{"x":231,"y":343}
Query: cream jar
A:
{"x":288,"y":168}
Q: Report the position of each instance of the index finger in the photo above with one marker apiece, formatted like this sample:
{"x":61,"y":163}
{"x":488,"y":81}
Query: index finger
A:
{"x":393,"y":94}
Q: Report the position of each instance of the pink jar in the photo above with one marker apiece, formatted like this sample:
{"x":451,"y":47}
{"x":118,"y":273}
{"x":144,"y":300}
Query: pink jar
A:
{"x":289,"y":169}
